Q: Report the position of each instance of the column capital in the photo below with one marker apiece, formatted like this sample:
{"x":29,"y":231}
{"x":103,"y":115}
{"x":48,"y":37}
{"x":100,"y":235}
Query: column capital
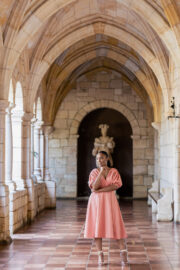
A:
{"x":38,"y":124}
{"x":47,"y":129}
{"x":3,"y":105}
{"x":27,"y":117}
{"x":33,"y":120}
{"x":17,"y":114}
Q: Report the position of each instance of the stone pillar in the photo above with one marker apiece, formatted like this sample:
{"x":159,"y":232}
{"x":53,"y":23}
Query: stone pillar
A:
{"x":4,"y":190}
{"x":9,"y":150}
{"x":177,"y":174}
{"x":32,"y":150}
{"x":37,"y":135}
{"x":17,"y":116}
{"x":42,"y":147}
{"x":26,"y":146}
{"x":47,"y":130}
{"x":26,"y":162}
{"x":157,"y":130}
{"x":139,"y":171}
{"x":50,"y":184}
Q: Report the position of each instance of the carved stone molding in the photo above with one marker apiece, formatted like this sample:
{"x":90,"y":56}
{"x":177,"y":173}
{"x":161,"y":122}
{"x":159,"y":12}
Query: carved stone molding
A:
{"x":156,"y":125}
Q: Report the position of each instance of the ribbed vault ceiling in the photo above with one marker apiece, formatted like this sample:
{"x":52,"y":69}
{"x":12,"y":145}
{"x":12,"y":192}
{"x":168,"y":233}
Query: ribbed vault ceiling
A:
{"x":56,"y":41}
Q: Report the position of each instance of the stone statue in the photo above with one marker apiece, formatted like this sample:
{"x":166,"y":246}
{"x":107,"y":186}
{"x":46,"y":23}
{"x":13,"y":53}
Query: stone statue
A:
{"x":104,"y":143}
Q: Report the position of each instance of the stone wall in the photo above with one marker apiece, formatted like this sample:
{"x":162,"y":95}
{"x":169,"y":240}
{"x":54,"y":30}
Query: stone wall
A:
{"x":100,"y":90}
{"x":18,"y":208}
{"x":24,"y":206}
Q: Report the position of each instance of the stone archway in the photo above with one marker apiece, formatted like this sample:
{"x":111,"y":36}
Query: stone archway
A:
{"x":105,"y":104}
{"x":63,"y":159}
{"x":139,"y":141}
{"x":121,"y":132}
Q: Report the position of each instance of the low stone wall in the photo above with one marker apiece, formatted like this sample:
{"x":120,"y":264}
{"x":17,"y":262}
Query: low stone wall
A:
{"x":41,"y":192}
{"x":25,"y":204}
{"x":18,"y":208}
{"x":4,"y":215}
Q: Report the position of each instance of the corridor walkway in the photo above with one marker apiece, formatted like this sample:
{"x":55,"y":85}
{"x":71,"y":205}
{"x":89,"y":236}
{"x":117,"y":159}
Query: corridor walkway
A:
{"x":55,"y":241}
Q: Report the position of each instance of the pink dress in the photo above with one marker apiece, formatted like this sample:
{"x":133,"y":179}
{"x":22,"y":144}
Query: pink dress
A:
{"x":103,"y":216}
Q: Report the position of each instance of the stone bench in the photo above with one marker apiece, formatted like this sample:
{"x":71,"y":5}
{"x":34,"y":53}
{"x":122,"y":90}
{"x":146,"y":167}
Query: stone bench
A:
{"x":165,"y":205}
{"x":162,"y":203}
{"x":154,"y":196}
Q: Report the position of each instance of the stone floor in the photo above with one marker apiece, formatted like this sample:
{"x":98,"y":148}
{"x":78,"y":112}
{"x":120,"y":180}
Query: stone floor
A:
{"x":55,"y":241}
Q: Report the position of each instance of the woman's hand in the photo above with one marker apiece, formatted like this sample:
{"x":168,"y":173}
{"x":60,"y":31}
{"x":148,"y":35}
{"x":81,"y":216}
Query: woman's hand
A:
{"x":96,"y":190}
{"x":102,"y":170}
{"x":105,"y":189}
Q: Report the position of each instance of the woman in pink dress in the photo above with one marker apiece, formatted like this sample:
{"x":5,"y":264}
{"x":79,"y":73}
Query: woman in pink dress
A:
{"x":103,"y":216}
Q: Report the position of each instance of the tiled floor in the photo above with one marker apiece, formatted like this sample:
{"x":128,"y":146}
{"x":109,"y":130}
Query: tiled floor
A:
{"x":55,"y":241}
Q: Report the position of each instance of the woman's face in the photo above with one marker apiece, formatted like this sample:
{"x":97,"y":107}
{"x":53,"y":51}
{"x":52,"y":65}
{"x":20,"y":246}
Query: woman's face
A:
{"x":101,"y":160}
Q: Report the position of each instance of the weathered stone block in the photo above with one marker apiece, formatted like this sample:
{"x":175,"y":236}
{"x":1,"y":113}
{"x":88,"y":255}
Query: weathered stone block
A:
{"x":140,"y":169}
{"x":118,"y":91}
{"x":56,"y":153}
{"x":54,"y":143}
{"x":148,"y":180}
{"x":138,"y":180}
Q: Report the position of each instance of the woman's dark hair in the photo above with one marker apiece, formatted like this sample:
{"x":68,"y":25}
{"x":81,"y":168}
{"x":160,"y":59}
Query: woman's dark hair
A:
{"x":106,"y":154}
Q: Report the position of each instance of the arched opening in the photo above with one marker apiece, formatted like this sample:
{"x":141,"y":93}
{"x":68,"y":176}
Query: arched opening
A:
{"x":38,"y":143}
{"x":8,"y":143}
{"x":121,"y":131}
{"x":19,"y":97}
{"x":11,"y":93}
{"x":39,"y":110}
{"x":17,"y":114}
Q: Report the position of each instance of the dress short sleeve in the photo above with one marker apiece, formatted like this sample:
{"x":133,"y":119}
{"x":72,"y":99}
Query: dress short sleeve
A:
{"x":92,"y":177}
{"x":116,"y":178}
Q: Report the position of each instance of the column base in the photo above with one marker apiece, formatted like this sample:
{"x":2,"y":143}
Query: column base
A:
{"x":20,"y":184}
{"x":37,"y":174}
{"x":47,"y":176}
{"x":7,"y":241}
{"x":34,"y":178}
{"x":11,"y":185}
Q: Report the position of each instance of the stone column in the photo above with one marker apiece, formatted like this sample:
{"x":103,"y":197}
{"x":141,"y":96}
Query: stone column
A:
{"x":42,"y":149}
{"x":9,"y":150}
{"x":26,"y":162}
{"x":50,"y":184}
{"x":17,"y":118}
{"x":47,"y":131}
{"x":37,"y":134}
{"x":157,"y":128}
{"x":139,"y":171}
{"x":26,"y":147}
{"x":177,"y":174}
{"x":32,"y":150}
{"x":4,"y":190}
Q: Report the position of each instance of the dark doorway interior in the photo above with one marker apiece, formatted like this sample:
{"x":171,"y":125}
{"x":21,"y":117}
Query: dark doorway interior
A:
{"x":120,"y":129}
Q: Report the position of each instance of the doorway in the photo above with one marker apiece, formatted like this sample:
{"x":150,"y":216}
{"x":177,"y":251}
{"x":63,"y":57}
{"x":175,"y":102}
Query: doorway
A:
{"x":121,"y":131}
